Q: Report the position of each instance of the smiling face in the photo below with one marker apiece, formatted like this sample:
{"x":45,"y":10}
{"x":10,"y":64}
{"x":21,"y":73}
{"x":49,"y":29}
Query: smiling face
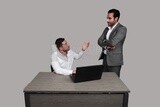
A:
{"x":111,"y":20}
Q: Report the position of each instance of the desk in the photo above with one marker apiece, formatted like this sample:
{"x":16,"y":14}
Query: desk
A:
{"x":48,"y":89}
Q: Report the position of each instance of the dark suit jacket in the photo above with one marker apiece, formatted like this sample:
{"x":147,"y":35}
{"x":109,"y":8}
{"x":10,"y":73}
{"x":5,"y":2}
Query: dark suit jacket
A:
{"x":116,"y":38}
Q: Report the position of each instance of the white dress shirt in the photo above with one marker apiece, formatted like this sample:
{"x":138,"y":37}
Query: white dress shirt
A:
{"x":62,"y":64}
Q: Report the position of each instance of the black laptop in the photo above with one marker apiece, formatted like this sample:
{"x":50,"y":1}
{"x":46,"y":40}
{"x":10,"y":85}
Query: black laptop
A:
{"x":87,"y":73}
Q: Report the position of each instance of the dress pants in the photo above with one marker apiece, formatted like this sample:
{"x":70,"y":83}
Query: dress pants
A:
{"x":107,"y":68}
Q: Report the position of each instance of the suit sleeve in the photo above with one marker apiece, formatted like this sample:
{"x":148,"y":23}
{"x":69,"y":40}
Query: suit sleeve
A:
{"x":102,"y":41}
{"x":121,"y":34}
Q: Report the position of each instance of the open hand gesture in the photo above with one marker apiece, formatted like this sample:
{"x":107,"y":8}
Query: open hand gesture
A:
{"x":85,"y":46}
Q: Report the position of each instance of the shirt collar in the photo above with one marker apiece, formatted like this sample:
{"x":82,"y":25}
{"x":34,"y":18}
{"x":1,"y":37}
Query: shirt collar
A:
{"x":62,"y":56}
{"x":112,"y":27}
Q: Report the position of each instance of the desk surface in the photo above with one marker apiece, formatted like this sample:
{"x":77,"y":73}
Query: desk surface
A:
{"x":49,"y":82}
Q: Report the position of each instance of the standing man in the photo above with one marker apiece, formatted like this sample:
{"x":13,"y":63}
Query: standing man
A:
{"x":111,"y":41}
{"x":63,"y":58}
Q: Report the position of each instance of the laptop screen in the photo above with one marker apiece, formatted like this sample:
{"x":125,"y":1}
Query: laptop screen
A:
{"x":88,"y":73}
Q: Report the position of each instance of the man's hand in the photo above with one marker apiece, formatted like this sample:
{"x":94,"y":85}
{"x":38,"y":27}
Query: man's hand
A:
{"x":111,"y":48}
{"x":85,"y":46}
{"x":74,"y":72}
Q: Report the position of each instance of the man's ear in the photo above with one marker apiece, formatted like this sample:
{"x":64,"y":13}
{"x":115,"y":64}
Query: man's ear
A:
{"x":60,"y":48}
{"x":116,"y":19}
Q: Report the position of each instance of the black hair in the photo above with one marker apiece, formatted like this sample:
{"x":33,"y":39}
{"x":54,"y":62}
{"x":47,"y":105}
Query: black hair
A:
{"x":58,"y":42}
{"x":115,"y":12}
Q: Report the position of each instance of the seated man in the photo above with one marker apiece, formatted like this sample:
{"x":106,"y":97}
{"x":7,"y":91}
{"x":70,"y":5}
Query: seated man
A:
{"x":63,"y":58}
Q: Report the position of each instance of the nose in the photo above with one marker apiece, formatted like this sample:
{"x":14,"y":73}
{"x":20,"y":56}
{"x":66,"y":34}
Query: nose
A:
{"x":68,"y":45}
{"x":107,"y":20}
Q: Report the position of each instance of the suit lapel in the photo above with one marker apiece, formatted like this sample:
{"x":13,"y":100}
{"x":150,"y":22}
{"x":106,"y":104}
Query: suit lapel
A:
{"x":117,"y":26}
{"x":105,"y":32}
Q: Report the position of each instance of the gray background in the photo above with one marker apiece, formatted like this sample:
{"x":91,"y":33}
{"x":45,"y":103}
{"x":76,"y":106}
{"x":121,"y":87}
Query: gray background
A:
{"x":28,"y":28}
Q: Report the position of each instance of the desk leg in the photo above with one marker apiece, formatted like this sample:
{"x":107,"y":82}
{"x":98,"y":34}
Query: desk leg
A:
{"x":27,"y":99}
{"x":125,"y":100}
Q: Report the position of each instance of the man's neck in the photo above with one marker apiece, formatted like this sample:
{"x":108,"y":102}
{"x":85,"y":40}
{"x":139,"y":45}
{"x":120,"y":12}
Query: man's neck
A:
{"x":113,"y":25}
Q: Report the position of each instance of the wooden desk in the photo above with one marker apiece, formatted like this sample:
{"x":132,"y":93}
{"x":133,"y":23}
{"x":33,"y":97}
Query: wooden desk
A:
{"x":48,"y":89}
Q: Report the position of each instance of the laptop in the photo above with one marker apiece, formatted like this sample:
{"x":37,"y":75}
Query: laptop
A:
{"x":87,"y":73}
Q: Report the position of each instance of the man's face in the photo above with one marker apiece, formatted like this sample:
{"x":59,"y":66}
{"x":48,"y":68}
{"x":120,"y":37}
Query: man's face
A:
{"x":111,"y":20}
{"x":65,"y":46}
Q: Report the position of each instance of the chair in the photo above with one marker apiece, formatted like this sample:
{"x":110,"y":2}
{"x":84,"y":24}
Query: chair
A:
{"x":51,"y":68}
